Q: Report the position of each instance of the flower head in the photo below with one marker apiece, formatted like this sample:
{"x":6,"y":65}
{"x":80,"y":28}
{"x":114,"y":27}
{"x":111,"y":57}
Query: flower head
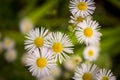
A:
{"x":78,"y":19}
{"x":91,"y":53}
{"x":26,"y":26}
{"x":85,"y":72}
{"x":8,"y":43}
{"x":35,"y":39}
{"x":82,"y":7}
{"x":60,"y":45}
{"x":87,"y":32}
{"x":105,"y":74}
{"x":41,"y":62}
{"x":10,"y":55}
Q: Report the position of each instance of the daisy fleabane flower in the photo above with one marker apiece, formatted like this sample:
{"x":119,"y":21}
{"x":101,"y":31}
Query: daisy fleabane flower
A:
{"x":91,"y":53}
{"x":82,"y":7}
{"x":88,"y":32}
{"x":60,"y":45}
{"x":85,"y":72}
{"x":35,"y":39}
{"x":105,"y":74}
{"x":11,"y":55}
{"x":26,"y":25}
{"x":41,"y":62}
{"x":8,"y":43}
{"x":77,"y":19}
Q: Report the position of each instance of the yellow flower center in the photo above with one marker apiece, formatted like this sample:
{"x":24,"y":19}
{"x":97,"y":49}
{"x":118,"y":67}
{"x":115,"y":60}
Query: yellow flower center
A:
{"x":88,"y":32}
{"x":82,"y":6}
{"x":91,"y":53}
{"x":87,"y":76}
{"x":58,"y":47}
{"x":8,"y":42}
{"x":39,"y":41}
{"x":41,"y":62}
{"x":105,"y":78}
{"x":80,"y":19}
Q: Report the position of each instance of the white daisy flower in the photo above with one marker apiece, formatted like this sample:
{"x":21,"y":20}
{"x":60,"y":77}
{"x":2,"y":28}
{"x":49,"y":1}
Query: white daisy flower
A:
{"x":82,"y":7}
{"x":88,"y":32}
{"x":72,"y":63}
{"x":77,"y":19}
{"x":91,"y":53}
{"x":60,"y":45}
{"x":8,"y":43}
{"x":85,"y":72}
{"x":56,"y":72}
{"x":105,"y":74}
{"x":41,"y":62}
{"x":10,"y":55}
{"x":26,"y":25}
{"x":77,"y":59}
{"x":35,"y":39}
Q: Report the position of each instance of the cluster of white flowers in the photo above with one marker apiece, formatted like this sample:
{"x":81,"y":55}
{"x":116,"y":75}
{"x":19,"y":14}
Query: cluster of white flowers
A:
{"x":87,"y":31}
{"x":8,"y":44}
{"x":44,"y":49}
{"x":92,"y":72}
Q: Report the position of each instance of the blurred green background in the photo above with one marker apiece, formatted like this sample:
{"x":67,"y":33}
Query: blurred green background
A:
{"x":54,"y":15}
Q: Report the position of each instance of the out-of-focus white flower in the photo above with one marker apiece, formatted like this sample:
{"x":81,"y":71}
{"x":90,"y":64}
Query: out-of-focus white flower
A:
{"x":56,"y":72}
{"x":10,"y":55}
{"x":86,"y":72}
{"x":8,"y":43}
{"x":41,"y":62}
{"x":26,"y":25}
{"x":105,"y":74}
{"x":91,"y":53}
{"x":78,"y":19}
{"x":82,"y":7}
{"x":35,"y":39}
{"x":60,"y":44}
{"x":88,"y":32}
{"x":72,"y":63}
{"x":77,"y":59}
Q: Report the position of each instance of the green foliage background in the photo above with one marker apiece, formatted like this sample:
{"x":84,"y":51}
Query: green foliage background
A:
{"x":54,"y":15}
